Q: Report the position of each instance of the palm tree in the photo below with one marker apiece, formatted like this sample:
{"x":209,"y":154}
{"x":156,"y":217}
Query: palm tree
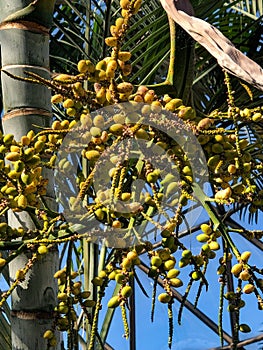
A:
{"x":196,"y":77}
{"x":25,"y":46}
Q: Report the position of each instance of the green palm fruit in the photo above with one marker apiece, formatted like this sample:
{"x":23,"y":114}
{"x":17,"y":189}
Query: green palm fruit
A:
{"x":202,"y":237}
{"x":97,"y":281}
{"x":120,"y":278}
{"x":116,"y":129}
{"x":164,"y":254}
{"x":156,"y":261}
{"x":244,"y":328}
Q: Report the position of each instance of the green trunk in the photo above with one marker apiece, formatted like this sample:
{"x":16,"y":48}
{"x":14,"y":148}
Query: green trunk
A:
{"x":24,"y":37}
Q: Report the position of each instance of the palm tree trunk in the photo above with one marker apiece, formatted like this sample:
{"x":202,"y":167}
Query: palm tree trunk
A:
{"x":24,"y":37}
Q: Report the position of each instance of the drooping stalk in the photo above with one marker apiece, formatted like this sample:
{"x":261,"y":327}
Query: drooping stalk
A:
{"x":24,"y":36}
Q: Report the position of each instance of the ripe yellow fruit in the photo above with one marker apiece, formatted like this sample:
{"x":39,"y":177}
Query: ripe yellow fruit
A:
{"x":57,"y":98}
{"x":48,"y":334}
{"x":111,"y":41}
{"x":114,"y":302}
{"x":245,"y":256}
{"x":236,"y":269}
{"x":2,"y":262}
{"x":68,"y":103}
{"x":164,"y":298}
{"x":124,"y":87}
{"x":42,"y":249}
{"x":176,"y":282}
{"x":126,"y":291}
{"x":124,"y":4}
{"x":156,"y":261}
{"x":248,"y":288}
{"x":124,"y":56}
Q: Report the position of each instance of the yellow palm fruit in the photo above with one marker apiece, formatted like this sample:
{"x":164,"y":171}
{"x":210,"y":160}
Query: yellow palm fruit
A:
{"x":126,"y":291}
{"x":245,"y":256}
{"x":12,"y":156}
{"x":111,"y":41}
{"x":22,"y":201}
{"x":92,"y":155}
{"x":136,"y":6}
{"x":114,"y":302}
{"x":124,"y":87}
{"x":101,"y":65}
{"x":82,"y":66}
{"x":68,"y":103}
{"x":124,"y":56}
{"x":164,"y":298}
{"x":57,"y":98}
{"x":48,"y":334}
{"x":149,"y":96}
{"x":2,"y":262}
{"x":71,"y":111}
{"x":63,"y":77}
{"x":119,"y":22}
{"x":224,"y":194}
{"x":101,"y":95}
{"x":99,"y":121}
{"x":204,"y":124}
{"x":248,"y":288}
{"x":25,"y":141}
{"x":91,"y":67}
{"x":236,"y":269}
{"x":125,"y":4}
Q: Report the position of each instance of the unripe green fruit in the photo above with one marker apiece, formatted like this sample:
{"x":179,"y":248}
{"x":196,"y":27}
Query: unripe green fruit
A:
{"x":116,"y":129}
{"x":202,"y":237}
{"x":126,"y":291}
{"x":164,"y":298}
{"x":114,"y":302}
{"x":183,"y":262}
{"x":120,"y":278}
{"x":172,"y":188}
{"x":153,"y":271}
{"x":89,"y":303}
{"x":156,"y":261}
{"x":8,"y":139}
{"x":196,"y":275}
{"x":164,"y":254}
{"x":186,"y":253}
{"x":97,"y":281}
{"x":62,"y":296}
{"x":244,"y":328}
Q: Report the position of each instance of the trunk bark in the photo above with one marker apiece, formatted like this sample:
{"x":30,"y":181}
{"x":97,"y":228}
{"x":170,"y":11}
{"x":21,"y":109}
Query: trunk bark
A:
{"x":24,"y":37}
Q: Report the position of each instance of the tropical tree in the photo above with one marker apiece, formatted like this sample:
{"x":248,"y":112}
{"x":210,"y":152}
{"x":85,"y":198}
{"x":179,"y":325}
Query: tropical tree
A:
{"x":170,"y":72}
